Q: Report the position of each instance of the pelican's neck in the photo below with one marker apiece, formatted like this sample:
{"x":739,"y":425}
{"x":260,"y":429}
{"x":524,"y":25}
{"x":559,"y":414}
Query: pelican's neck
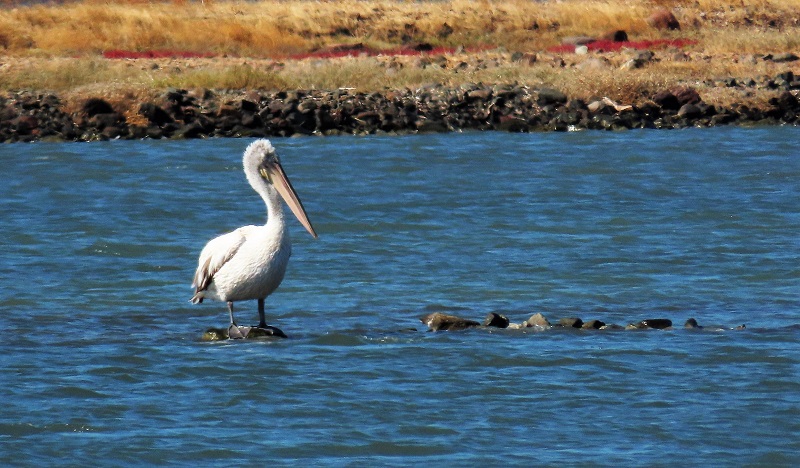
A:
{"x":272,"y":199}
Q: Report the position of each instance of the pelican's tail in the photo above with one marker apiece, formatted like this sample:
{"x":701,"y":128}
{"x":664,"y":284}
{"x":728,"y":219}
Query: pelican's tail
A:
{"x":197,"y":298}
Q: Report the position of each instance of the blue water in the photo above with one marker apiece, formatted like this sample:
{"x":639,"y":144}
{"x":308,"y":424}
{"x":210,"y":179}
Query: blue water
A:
{"x":102,"y":361}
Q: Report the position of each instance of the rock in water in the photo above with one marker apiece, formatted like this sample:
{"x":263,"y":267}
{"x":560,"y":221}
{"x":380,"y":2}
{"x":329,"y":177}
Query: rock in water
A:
{"x":593,"y":325}
{"x":496,"y":320}
{"x":215,"y":334}
{"x":571,"y":322}
{"x":691,"y":323}
{"x":439,"y":321}
{"x":537,"y":320}
{"x":242,"y":332}
{"x":657,"y":324}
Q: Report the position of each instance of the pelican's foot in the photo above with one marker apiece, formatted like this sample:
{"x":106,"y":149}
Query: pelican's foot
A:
{"x":238,"y":332}
{"x":235,"y":332}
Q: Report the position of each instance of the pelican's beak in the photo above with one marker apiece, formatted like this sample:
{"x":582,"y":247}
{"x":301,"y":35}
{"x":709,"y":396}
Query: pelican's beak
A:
{"x":274,"y":173}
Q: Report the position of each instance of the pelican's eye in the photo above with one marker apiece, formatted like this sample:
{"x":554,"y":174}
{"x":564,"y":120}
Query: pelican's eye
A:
{"x":265,"y":174}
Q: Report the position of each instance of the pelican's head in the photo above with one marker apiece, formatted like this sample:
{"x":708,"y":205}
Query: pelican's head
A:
{"x":262,"y":164}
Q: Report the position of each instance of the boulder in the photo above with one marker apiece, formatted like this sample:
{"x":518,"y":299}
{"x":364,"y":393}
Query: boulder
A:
{"x":496,"y":320}
{"x":154,"y":114}
{"x":657,"y":324}
{"x":597,"y":106}
{"x":690,"y":111}
{"x":548,"y":96}
{"x":666,"y":100}
{"x":593,"y":325}
{"x":439,"y":321}
{"x":786,"y":100}
{"x":105,"y":120}
{"x":662,"y":18}
{"x":691,"y":323}
{"x":537,"y":320}
{"x":570,"y":322}
{"x":615,"y":36}
{"x":242,"y":332}
{"x":25,"y":124}
{"x":94,"y":106}
{"x":686,"y":95}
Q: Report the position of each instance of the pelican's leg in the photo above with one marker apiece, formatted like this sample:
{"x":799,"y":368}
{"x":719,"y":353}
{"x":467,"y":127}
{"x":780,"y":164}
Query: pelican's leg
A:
{"x":262,"y":320}
{"x":234,"y":332}
{"x":230,"y":312}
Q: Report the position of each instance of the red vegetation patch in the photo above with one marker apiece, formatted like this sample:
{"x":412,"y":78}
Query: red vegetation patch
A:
{"x":152,"y":54}
{"x":611,"y":46}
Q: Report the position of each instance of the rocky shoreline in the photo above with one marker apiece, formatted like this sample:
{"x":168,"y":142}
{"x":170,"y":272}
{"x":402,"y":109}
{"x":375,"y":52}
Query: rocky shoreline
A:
{"x":184,"y":114}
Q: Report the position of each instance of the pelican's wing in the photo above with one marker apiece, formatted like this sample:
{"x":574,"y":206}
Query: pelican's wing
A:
{"x":217,"y":253}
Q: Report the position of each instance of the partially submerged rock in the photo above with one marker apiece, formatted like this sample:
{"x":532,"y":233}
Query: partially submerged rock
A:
{"x":570,"y":322}
{"x":656,"y":324}
{"x":496,"y":320}
{"x":537,"y":320}
{"x":439,"y":321}
{"x":242,"y":332}
{"x":593,"y":325}
{"x":691,"y":323}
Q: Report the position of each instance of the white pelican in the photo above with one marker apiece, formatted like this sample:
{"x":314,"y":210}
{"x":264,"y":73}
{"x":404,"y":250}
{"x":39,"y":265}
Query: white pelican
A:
{"x":249,"y":263}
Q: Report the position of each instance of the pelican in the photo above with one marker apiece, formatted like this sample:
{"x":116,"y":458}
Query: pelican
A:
{"x":249,"y":263}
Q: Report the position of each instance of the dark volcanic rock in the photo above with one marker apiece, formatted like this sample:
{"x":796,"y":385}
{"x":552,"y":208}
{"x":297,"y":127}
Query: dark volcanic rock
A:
{"x":657,"y":324}
{"x":667,"y":100}
{"x":548,"y":96}
{"x":616,"y":36}
{"x":496,"y":320}
{"x":690,"y":111}
{"x":94,"y":106}
{"x":155,"y":114}
{"x":434,"y":108}
{"x":686,"y":95}
{"x":25,"y":124}
{"x":691,"y":323}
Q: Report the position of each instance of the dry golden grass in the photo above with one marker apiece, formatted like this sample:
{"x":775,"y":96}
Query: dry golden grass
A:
{"x":273,"y":27}
{"x":58,"y":47}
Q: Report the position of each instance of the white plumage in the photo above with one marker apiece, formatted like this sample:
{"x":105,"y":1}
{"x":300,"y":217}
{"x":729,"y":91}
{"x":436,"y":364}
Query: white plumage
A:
{"x":250,"y":262}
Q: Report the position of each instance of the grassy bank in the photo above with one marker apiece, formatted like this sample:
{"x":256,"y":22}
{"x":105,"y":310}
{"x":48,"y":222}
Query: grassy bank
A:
{"x":270,"y":45}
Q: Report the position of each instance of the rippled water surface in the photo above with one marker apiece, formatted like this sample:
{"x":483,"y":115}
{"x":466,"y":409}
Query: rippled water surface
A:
{"x":102,"y":361}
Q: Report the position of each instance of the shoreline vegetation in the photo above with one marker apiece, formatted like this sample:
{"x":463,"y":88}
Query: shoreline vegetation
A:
{"x":91,"y":70}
